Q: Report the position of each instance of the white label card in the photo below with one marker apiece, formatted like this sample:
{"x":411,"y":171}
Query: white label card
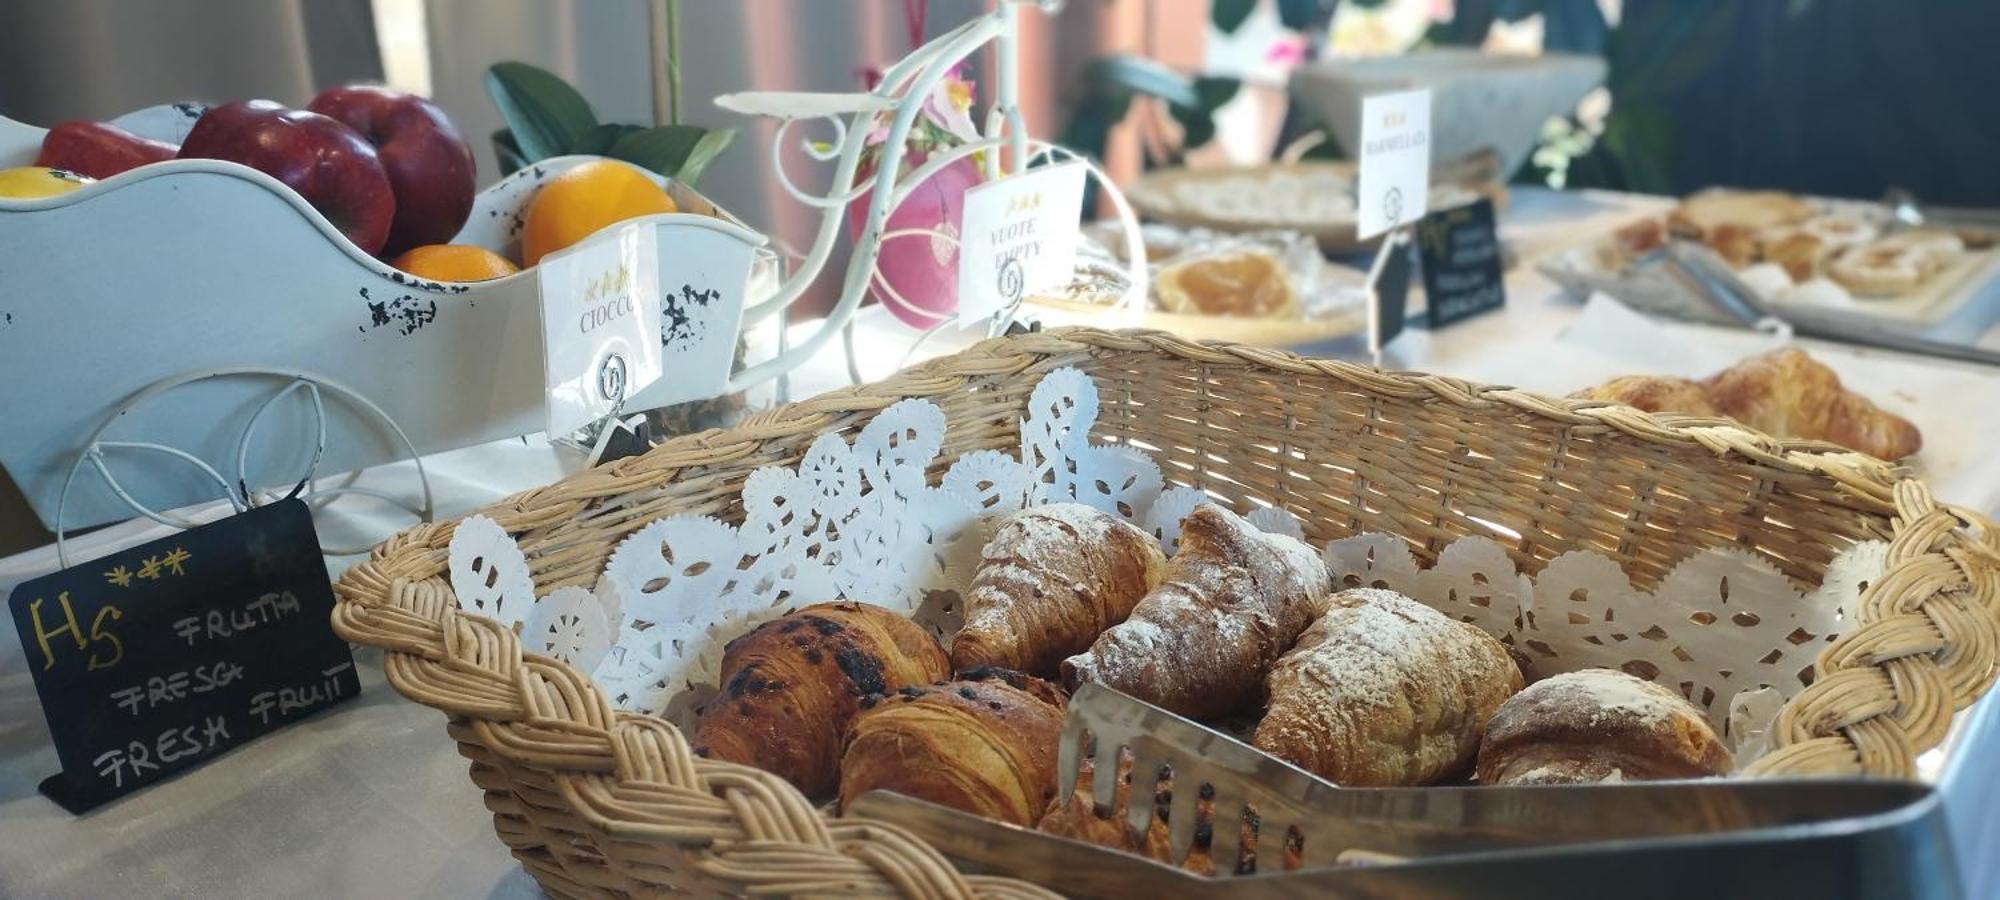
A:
{"x":600,"y":324}
{"x":1019,"y":236}
{"x":1395,"y":161}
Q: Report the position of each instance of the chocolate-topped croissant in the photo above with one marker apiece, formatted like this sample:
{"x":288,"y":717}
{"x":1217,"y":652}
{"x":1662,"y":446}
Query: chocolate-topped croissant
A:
{"x":984,"y":744}
{"x":791,"y":686}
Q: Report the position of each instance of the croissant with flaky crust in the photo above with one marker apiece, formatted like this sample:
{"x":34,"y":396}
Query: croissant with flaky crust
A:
{"x":791,"y":686}
{"x":1653,"y":394}
{"x":1385,"y":691}
{"x":1598,"y":725}
{"x":1785,"y":393}
{"x":1232,"y":601}
{"x":984,"y":744}
{"x":1051,"y":580}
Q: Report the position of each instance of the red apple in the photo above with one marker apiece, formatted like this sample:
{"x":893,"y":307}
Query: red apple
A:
{"x":98,"y":149}
{"x":428,"y":163}
{"x":329,"y":164}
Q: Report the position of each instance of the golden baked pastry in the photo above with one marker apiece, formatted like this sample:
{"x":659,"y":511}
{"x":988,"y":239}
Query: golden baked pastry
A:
{"x":1050,"y":581}
{"x":1598,"y":725}
{"x":1233,"y":600}
{"x":1784,"y":393}
{"x":1896,"y":264}
{"x":985,"y":744}
{"x":1701,"y":213}
{"x":1385,"y":691}
{"x":1653,"y":394}
{"x":791,"y":685}
{"x":1248,"y":283}
{"x":1788,"y":393}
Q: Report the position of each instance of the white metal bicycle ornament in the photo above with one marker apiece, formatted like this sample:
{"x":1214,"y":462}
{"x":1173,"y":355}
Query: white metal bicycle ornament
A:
{"x":1003,"y":145}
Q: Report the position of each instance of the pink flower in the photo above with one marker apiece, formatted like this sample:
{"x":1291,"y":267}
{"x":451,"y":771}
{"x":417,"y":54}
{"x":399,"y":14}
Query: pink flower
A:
{"x":950,"y":107}
{"x":1289,"y":50}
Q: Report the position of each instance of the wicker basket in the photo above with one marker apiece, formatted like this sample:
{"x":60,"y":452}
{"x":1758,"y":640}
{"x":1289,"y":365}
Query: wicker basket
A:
{"x":599,"y":803}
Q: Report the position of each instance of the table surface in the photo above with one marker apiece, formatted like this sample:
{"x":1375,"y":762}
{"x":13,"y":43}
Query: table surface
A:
{"x":371,"y":798}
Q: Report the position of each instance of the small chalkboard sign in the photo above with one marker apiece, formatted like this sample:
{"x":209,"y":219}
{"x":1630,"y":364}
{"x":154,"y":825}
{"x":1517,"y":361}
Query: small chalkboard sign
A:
{"x":1463,"y":276}
{"x":155,"y":659}
{"x":1392,"y":291}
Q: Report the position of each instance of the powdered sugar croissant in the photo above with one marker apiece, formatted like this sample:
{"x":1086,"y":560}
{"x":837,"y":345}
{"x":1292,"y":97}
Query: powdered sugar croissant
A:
{"x":1385,"y":691}
{"x":1051,"y":580}
{"x":1233,"y":600}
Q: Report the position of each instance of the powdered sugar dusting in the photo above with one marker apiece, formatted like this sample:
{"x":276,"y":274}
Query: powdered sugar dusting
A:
{"x":1608,"y":695}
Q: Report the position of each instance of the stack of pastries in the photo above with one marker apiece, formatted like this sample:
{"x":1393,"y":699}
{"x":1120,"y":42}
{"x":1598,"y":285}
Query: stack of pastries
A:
{"x":1364,"y":687}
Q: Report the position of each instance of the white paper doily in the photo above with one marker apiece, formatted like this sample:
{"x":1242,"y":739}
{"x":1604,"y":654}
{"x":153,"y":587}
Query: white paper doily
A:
{"x":863,"y":522}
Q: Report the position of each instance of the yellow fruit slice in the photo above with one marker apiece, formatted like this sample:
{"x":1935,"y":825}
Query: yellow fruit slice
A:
{"x":580,"y":201}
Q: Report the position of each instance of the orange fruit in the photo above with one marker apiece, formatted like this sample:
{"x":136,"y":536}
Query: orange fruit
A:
{"x":32,"y":182}
{"x":454,"y":262}
{"x":576,"y":203}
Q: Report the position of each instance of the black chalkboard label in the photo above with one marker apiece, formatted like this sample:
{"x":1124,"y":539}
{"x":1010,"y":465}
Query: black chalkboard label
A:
{"x":1463,"y":275}
{"x":155,"y":659}
{"x":1392,"y":292}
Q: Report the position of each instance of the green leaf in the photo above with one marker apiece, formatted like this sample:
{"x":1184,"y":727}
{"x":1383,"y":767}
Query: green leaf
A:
{"x":1211,"y":92}
{"x":1298,"y":15}
{"x":681,"y":152}
{"x":507,"y":153}
{"x":598,"y":140}
{"x":1229,"y":15}
{"x":546,"y":115}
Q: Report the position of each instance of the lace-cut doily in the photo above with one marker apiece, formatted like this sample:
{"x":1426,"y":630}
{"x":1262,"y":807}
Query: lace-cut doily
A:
{"x":1725,"y":628}
{"x":864,"y":522}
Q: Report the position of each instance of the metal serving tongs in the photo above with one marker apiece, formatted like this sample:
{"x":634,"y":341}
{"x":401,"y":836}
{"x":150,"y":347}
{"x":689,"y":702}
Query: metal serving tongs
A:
{"x":1704,"y":276}
{"x":1554,"y":841}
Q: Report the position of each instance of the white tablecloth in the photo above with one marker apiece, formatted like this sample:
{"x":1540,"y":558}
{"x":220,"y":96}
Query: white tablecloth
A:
{"x":371,"y":799}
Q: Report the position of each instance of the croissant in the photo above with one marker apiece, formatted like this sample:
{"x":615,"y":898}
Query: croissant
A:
{"x":1787,"y":392}
{"x":1598,"y":725}
{"x":1233,"y":599}
{"x":1052,"y":579}
{"x":985,"y":744}
{"x":1385,"y":691}
{"x":791,"y":685}
{"x":1654,"y":393}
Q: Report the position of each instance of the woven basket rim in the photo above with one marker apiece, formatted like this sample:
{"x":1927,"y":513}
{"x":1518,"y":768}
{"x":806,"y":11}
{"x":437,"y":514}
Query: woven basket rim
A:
{"x":1924,"y":639}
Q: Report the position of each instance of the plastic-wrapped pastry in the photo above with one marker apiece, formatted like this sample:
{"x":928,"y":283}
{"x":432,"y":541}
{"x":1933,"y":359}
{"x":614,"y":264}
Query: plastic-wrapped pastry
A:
{"x":1244,"y":282}
{"x":1598,"y":725}
{"x":1896,"y":264}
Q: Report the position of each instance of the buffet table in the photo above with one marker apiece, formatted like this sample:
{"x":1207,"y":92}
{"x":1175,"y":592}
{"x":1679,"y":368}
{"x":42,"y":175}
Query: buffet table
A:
{"x":370,"y":799}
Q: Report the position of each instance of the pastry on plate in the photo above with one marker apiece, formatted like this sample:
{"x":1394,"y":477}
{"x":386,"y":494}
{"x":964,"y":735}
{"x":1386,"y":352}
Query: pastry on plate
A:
{"x":1598,"y":725}
{"x":1701,"y":213}
{"x":1385,"y":691}
{"x":1896,"y":264}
